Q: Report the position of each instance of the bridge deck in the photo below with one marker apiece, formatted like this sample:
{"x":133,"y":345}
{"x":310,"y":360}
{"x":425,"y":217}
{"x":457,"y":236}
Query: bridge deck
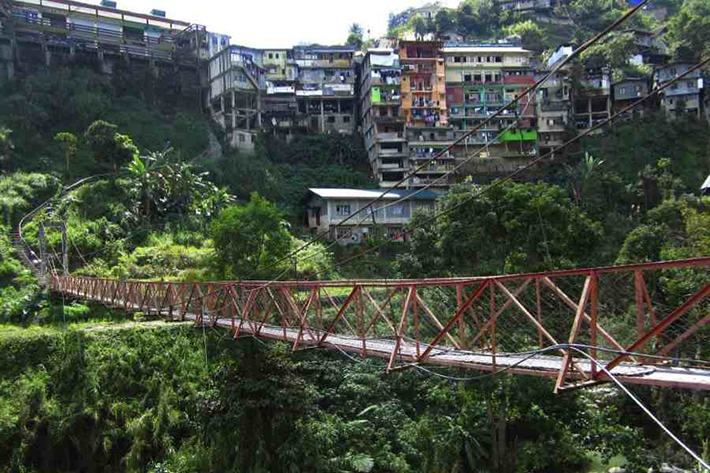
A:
{"x":271,"y":311}
{"x":539,"y":365}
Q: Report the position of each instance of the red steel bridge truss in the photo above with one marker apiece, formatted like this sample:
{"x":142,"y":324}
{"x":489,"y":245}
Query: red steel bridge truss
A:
{"x":645,"y":324}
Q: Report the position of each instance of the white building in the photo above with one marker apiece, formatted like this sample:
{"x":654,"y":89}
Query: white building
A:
{"x":328,"y":208}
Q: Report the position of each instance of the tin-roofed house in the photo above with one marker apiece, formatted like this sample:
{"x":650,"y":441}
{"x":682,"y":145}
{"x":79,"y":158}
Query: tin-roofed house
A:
{"x":705,"y":188}
{"x":334,"y":210}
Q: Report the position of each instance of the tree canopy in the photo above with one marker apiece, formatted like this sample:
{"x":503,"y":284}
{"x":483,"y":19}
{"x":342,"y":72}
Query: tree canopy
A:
{"x":250,"y":239}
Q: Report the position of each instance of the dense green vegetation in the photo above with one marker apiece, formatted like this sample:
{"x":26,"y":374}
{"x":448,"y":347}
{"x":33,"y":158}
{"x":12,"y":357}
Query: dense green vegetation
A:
{"x":176,"y":400}
{"x":82,"y":391}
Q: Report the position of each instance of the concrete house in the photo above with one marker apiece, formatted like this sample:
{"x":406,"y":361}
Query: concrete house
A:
{"x":326,"y":208}
{"x":628,"y":91}
{"x":682,"y":97}
{"x":380,"y":115}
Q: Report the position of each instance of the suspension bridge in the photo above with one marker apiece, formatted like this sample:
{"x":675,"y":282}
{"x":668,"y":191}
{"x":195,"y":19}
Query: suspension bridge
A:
{"x":524,"y":324}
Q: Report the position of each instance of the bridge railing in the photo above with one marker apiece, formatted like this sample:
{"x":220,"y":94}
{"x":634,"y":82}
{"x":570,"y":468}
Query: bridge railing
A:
{"x":658,"y":310}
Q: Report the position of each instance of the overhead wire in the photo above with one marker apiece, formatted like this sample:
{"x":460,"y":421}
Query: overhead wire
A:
{"x":535,"y":162}
{"x":514,"y":102}
{"x":473,"y":130}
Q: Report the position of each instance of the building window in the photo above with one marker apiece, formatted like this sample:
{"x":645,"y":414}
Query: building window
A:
{"x":622,"y":90}
{"x":397,"y":210}
{"x":342,"y":210}
{"x":499,"y":59}
{"x":331,"y":119}
{"x":674,"y":86}
{"x":346,"y":119}
{"x":691,"y":84}
{"x":242,"y":139}
{"x":394,"y":233}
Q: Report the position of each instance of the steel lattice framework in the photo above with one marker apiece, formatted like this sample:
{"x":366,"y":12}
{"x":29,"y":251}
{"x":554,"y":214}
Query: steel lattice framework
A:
{"x":635,"y":318}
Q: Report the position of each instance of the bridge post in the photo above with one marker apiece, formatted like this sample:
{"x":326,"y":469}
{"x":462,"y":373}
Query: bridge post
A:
{"x":65,"y":252}
{"x":42,"y":255}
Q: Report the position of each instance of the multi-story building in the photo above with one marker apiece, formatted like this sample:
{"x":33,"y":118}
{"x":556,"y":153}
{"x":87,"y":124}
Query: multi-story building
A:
{"x":327,"y":209}
{"x":592,"y":103}
{"x":423,"y":83}
{"x":650,"y":48}
{"x":428,"y":11}
{"x":217,"y":42}
{"x":626,"y":92}
{"x":684,"y":96}
{"x":280,"y":108}
{"x":237,"y":82}
{"x":527,"y":5}
{"x":37,"y":35}
{"x":481,"y":79}
{"x":431,"y":161}
{"x":325,"y":89}
{"x":554,"y":107}
{"x":380,"y":116}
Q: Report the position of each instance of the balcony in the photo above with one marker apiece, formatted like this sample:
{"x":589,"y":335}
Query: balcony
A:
{"x":425,"y":181}
{"x":390,"y":136}
{"x":391,"y":152}
{"x":324,"y":63}
{"x":391,"y":166}
{"x":554,"y":106}
{"x":388,"y":119}
{"x":433,"y":168}
{"x":280,"y":90}
{"x":385,"y":81}
{"x":519,"y":80}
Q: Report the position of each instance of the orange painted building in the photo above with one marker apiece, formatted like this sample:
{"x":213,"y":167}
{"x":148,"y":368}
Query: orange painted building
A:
{"x":423,"y":83}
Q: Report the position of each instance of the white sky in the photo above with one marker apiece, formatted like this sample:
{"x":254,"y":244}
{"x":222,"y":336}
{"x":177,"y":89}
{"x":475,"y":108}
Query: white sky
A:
{"x":280,"y":23}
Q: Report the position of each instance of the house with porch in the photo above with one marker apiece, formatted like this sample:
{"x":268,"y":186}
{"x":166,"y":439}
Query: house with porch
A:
{"x":328,"y":210}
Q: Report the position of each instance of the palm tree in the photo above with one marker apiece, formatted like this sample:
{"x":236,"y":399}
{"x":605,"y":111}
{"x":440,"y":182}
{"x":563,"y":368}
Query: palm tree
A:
{"x":581,"y":175}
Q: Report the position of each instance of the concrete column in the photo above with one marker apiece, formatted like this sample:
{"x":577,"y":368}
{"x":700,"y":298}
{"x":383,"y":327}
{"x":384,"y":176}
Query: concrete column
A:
{"x":234,"y":110}
{"x":322,"y":116}
{"x":258,"y":110}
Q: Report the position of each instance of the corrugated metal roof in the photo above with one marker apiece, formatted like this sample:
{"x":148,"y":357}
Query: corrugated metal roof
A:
{"x":371,"y":194}
{"x":484,"y":49}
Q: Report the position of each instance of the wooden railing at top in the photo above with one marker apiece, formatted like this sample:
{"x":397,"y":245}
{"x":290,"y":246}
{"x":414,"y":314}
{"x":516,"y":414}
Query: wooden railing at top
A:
{"x":475,"y":313}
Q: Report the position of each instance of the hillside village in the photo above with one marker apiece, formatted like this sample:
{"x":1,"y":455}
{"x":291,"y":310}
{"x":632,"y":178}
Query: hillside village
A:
{"x":410,"y":96}
{"x":216,"y":257}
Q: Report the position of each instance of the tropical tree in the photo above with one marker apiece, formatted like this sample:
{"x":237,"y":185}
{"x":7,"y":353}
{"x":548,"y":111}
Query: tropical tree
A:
{"x":444,"y":21}
{"x":142,"y":181}
{"x":420,"y":27}
{"x":355,"y":36}
{"x":580,"y":176}
{"x":6,"y":146}
{"x":531,"y":35}
{"x":689,"y":30}
{"x":68,"y":143}
{"x":508,"y":228}
{"x":109,"y":146}
{"x":249,"y":239}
